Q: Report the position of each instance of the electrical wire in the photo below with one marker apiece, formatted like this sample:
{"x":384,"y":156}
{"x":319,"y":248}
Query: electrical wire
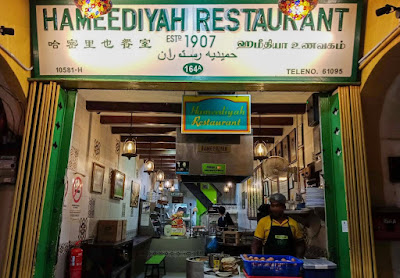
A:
{"x":15,"y":59}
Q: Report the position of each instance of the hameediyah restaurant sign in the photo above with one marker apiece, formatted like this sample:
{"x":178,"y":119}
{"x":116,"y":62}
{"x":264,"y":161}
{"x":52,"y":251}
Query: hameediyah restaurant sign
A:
{"x":216,"y":114}
{"x":198,"y":40}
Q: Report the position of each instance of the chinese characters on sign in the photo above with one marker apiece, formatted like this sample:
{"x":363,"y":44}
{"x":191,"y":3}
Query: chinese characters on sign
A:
{"x":247,"y":42}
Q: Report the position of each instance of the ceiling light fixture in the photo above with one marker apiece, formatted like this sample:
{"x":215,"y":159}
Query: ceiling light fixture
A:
{"x":129,"y":149}
{"x":260,"y":148}
{"x":297,"y":9}
{"x":160,"y":174}
{"x":226,"y":189}
{"x":149,"y":164}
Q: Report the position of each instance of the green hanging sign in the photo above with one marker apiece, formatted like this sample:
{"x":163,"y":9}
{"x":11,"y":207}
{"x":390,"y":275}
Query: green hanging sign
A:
{"x":213,"y":169}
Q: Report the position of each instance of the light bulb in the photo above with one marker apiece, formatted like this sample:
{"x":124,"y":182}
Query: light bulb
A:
{"x":172,"y":189}
{"x":229,"y":184}
{"x":226,"y":189}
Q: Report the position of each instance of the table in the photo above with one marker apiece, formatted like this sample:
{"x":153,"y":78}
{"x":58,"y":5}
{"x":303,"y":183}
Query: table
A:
{"x":110,"y":259}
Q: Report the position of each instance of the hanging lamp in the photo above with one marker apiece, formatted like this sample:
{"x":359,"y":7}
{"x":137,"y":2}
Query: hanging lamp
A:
{"x":172,"y":189}
{"x":297,"y":9}
{"x":149,"y":164}
{"x":94,"y":8}
{"x":260,"y":148}
{"x":226,"y":189}
{"x":160,"y":174}
{"x":229,"y":184}
{"x":129,"y":149}
{"x":168,"y":184}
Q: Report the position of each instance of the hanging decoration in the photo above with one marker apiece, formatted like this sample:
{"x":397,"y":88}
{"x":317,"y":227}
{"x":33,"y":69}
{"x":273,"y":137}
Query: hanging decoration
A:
{"x":129,"y":149}
{"x":94,"y":8}
{"x":297,"y":9}
{"x":168,"y":184}
{"x":229,"y":184}
{"x":172,"y":188}
{"x":226,"y":189}
{"x":149,"y":164}
{"x":260,"y":148}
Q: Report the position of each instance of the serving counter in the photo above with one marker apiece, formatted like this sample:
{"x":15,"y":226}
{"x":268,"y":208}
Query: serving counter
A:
{"x":177,"y":249}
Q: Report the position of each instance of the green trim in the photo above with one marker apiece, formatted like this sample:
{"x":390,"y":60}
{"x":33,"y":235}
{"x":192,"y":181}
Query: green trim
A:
{"x":47,"y":251}
{"x":185,"y":2}
{"x":335,"y":194}
{"x":203,"y":79}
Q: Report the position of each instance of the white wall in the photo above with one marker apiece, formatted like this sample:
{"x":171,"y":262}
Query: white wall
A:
{"x":390,"y":146}
{"x":96,"y":206}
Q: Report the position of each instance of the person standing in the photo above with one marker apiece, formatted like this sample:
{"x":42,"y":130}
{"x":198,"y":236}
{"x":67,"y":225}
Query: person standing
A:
{"x":225,"y":219}
{"x":277,"y":233}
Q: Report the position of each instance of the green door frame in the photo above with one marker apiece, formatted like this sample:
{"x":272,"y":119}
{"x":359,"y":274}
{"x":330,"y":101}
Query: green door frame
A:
{"x":335,"y":192}
{"x":47,"y":249}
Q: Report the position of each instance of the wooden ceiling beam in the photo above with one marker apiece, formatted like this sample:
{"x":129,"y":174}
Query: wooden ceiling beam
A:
{"x":268,"y":140}
{"x":156,"y":153}
{"x":131,"y":107}
{"x":165,"y":130}
{"x":155,"y":146}
{"x":176,"y":108}
{"x":268,"y":131}
{"x":155,"y":139}
{"x":139,"y":120}
{"x":255,"y":120}
{"x":142,"y":130}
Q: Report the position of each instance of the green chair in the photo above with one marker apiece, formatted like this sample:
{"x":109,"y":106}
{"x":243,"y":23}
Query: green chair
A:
{"x":155,"y":262}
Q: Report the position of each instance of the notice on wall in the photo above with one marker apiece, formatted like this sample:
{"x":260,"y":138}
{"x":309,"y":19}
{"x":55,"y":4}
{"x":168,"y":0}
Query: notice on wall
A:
{"x":145,"y":216}
{"x":77,"y":191}
{"x":208,"y":42}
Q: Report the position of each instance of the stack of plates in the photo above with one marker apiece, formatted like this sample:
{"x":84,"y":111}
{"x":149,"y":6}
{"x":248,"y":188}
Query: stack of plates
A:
{"x":315,"y":197}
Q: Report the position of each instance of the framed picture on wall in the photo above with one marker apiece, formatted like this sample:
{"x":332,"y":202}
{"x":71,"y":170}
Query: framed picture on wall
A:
{"x":292,"y":146}
{"x":300,"y":133}
{"x":291,"y":182}
{"x":278,"y":149}
{"x":135,"y":189}
{"x":117,"y":185}
{"x":285,"y":148}
{"x":266,"y":188}
{"x":97,"y":178}
{"x":274,"y":186}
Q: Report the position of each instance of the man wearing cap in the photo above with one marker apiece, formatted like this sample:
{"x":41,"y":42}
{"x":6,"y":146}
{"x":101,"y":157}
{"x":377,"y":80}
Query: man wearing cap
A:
{"x":279,"y":234}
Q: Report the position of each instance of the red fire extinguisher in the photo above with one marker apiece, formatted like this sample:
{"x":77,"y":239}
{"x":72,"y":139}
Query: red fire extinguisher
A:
{"x":75,"y":261}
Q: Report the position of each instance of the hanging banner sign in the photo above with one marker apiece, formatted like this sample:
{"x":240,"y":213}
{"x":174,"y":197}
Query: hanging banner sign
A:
{"x":213,"y":169}
{"x":203,"y":41}
{"x":216,"y":114}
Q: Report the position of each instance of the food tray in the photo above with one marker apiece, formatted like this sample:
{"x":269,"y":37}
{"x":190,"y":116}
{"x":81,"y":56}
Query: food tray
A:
{"x":274,"y":268}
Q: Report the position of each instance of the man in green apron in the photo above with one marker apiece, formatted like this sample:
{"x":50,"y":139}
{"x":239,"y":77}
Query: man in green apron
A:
{"x":277,"y":233}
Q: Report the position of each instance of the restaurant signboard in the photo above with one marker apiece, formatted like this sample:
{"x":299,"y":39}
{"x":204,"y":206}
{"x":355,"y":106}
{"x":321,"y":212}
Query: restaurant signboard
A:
{"x":212,"y":114}
{"x":197,"y":40}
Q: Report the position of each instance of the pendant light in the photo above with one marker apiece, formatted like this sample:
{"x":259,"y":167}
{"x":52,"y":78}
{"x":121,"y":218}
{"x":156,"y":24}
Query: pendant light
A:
{"x":297,"y":9}
{"x":172,"y":189}
{"x":129,"y":149}
{"x":168,"y":184}
{"x":149,"y":164}
{"x":260,"y":148}
{"x":229,"y":184}
{"x":161,"y":186}
{"x":160,"y":174}
{"x":94,"y":8}
{"x":226,"y":189}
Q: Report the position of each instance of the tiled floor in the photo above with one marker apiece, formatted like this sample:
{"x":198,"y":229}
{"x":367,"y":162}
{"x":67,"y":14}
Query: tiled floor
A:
{"x":170,"y":275}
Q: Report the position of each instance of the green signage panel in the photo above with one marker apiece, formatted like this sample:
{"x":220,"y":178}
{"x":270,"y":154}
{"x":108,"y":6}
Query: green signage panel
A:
{"x":213,"y":169}
{"x":197,"y":41}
